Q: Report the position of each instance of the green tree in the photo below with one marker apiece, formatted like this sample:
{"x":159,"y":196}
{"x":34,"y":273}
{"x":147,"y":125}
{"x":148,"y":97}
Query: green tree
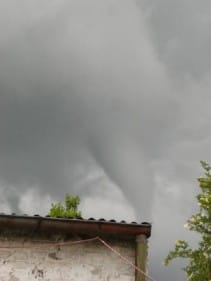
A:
{"x":70,"y":210}
{"x":199,"y":266}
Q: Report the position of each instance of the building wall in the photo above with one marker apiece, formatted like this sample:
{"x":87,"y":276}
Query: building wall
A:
{"x":90,"y":261}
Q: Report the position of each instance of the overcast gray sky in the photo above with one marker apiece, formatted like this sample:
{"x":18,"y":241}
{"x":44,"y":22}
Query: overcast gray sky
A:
{"x":110,"y":100}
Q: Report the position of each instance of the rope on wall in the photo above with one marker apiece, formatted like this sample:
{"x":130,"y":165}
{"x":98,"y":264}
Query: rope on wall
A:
{"x":60,"y":244}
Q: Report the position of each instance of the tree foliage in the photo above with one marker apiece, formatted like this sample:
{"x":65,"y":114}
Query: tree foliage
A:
{"x":69,"y":210}
{"x":199,"y":266}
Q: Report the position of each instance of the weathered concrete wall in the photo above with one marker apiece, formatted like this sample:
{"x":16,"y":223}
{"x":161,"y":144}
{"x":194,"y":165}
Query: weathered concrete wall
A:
{"x":89,"y":261}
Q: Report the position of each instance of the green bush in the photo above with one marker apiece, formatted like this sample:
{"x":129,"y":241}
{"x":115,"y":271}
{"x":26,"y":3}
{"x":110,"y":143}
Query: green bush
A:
{"x":70,"y":210}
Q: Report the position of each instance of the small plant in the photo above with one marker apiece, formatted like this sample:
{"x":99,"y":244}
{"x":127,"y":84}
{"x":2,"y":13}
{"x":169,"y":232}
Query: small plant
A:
{"x":70,"y":210}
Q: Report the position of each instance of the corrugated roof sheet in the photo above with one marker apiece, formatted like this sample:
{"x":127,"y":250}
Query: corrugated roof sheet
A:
{"x":92,"y":226}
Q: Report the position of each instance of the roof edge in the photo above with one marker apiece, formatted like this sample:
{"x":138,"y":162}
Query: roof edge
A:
{"x":78,"y":226}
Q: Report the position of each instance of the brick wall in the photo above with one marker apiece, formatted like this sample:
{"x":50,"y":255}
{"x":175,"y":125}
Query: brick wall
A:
{"x":89,"y":261}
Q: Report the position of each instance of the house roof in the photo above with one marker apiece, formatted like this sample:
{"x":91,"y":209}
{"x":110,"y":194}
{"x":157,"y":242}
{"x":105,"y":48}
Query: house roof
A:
{"x":91,"y":226}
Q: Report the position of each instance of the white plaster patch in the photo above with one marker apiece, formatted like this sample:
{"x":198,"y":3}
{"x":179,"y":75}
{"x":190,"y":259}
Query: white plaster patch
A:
{"x":87,"y":262}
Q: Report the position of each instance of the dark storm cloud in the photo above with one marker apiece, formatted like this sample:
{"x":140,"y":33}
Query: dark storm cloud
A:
{"x":77,"y":86}
{"x":181,"y":34}
{"x":110,"y":100}
{"x":31,"y":142}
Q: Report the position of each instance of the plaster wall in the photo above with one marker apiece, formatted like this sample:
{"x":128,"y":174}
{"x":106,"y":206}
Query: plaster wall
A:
{"x":90,"y":261}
